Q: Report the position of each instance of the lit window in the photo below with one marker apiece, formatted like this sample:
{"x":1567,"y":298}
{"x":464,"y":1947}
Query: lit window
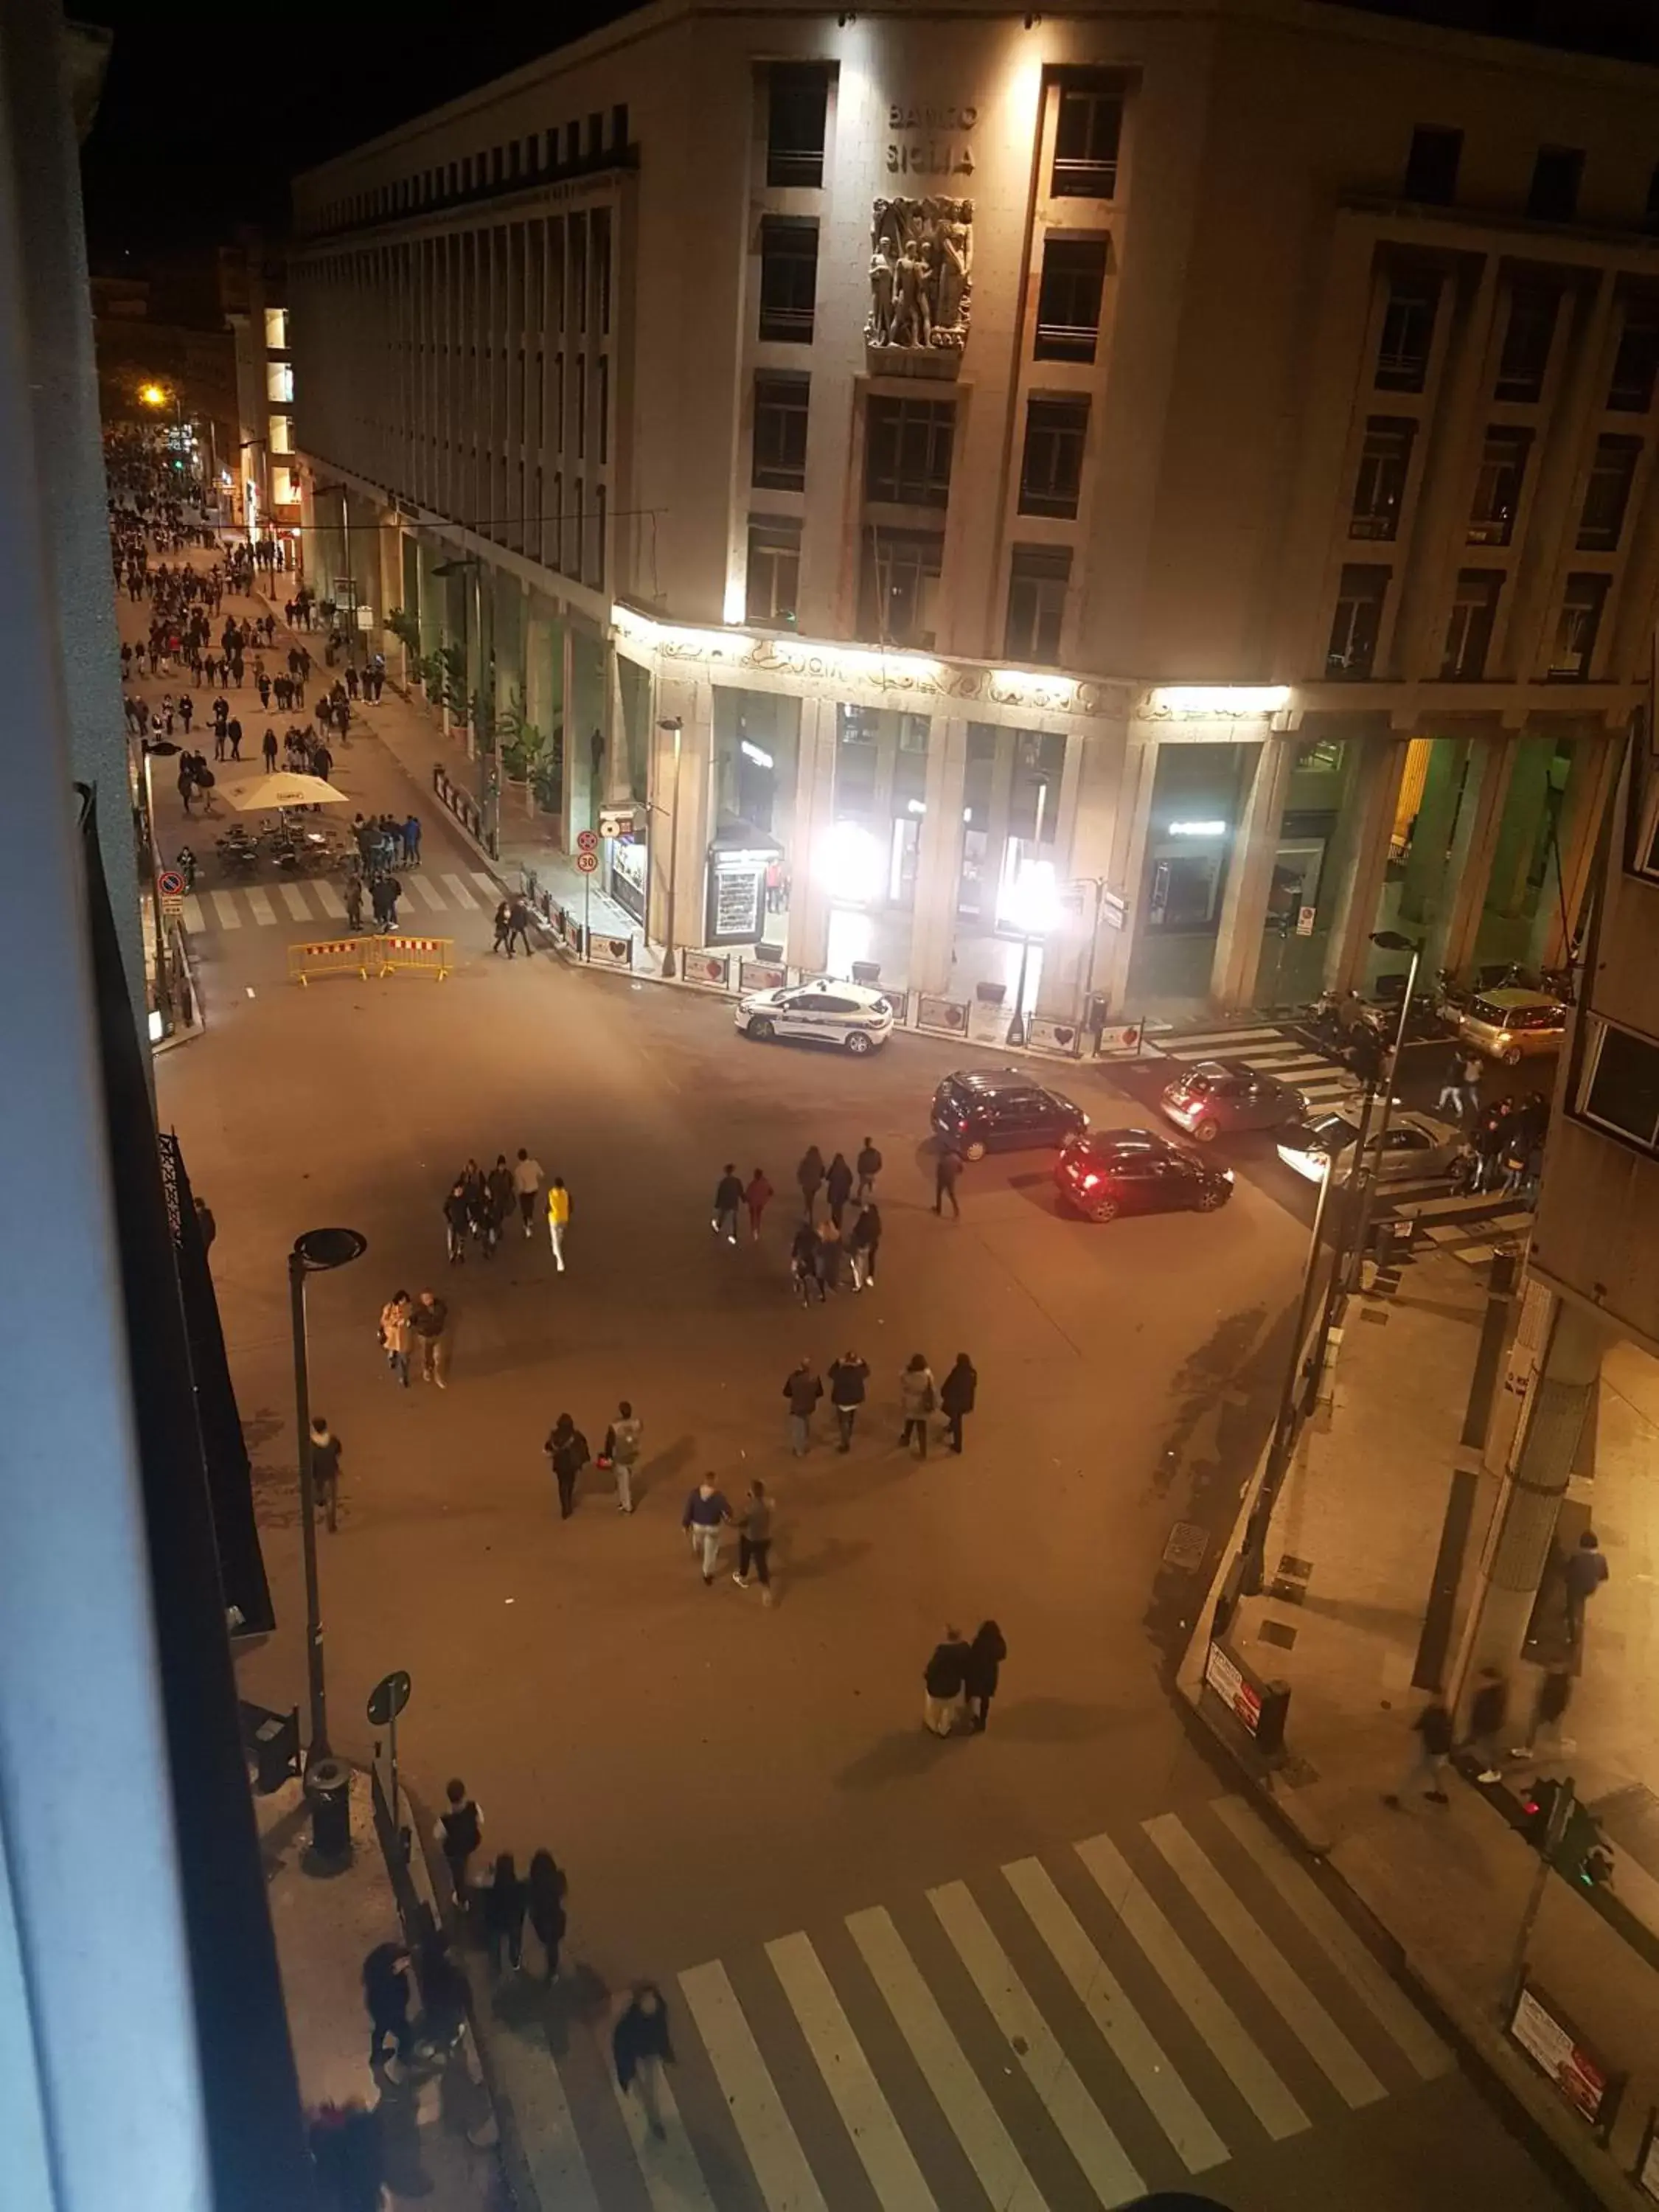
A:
{"x":276,"y":329}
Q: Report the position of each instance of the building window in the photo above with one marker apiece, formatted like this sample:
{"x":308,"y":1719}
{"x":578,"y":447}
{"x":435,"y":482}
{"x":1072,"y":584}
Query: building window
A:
{"x":1608,"y":494}
{"x":602,"y":404}
{"x":555,"y":532}
{"x":1051,"y":470}
{"x":595,"y":575}
{"x":619,"y":127}
{"x":1621,"y":1085}
{"x":276,"y":329}
{"x":279,"y":432}
{"x":1379,"y":489}
{"x":283,"y":492}
{"x":789,"y":278}
{"x":1402,"y":353}
{"x":1036,"y":603}
{"x":1357,"y":622}
{"x":774,"y":572}
{"x":797,"y":103}
{"x":1087,"y":131}
{"x":1527,"y":336}
{"x":1553,"y":195}
{"x":1468,"y":634}
{"x":1575,"y":630}
{"x":581,"y":406}
{"x":779,"y":463}
{"x":906,"y":458}
{"x":279,"y":382}
{"x":1431,"y":165}
{"x":899,"y":586}
{"x":1630,"y":389}
{"x":1068,"y":303}
{"x":1497,"y":486}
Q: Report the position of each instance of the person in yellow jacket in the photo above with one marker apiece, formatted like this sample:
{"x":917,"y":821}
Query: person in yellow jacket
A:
{"x":558,"y":1217}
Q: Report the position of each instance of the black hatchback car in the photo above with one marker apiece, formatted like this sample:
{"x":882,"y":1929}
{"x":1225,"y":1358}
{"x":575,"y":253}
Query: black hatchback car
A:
{"x":1112,"y":1171}
{"x":1000,"y":1109}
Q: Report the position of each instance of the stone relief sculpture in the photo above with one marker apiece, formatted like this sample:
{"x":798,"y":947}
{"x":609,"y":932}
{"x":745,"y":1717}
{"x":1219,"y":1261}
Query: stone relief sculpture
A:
{"x":922,"y":259}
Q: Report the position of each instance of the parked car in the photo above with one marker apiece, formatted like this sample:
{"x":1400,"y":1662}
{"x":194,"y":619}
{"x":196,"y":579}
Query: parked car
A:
{"x":1511,"y":1025}
{"x":1002,"y":1110}
{"x":1415,"y":1145}
{"x":846,"y":1014}
{"x":1112,"y":1171}
{"x":1216,"y":1096}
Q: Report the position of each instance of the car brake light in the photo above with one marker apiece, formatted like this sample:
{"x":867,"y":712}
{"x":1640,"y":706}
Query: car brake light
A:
{"x":1090,"y":1180}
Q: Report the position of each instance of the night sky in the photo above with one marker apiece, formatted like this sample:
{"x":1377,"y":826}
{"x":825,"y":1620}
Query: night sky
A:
{"x":207,"y":113}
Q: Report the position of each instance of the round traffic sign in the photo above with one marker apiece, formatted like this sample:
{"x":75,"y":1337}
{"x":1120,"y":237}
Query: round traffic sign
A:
{"x":387,"y":1699}
{"x":170,"y":884}
{"x":587,"y":862}
{"x":588,"y":841}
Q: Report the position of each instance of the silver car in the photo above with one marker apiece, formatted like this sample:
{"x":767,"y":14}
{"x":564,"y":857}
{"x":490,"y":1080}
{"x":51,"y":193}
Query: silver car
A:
{"x":1416,"y":1145}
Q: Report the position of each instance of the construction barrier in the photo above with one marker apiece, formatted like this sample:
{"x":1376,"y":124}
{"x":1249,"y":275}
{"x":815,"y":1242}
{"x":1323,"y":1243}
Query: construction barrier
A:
{"x":384,"y":956}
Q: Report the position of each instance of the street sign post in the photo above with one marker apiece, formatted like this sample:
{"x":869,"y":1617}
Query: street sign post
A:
{"x":617,"y":822}
{"x":587,"y":862}
{"x":588,"y":841}
{"x":386,"y":1701}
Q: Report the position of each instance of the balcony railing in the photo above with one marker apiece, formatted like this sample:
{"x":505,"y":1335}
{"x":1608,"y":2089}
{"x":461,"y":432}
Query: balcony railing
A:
{"x":792,"y":326}
{"x":794,"y":165}
{"x":1080,"y":177}
{"x":1066,"y":341}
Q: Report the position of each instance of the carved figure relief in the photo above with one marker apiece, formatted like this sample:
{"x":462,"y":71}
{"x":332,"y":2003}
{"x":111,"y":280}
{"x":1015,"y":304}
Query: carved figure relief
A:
{"x":921,"y":259}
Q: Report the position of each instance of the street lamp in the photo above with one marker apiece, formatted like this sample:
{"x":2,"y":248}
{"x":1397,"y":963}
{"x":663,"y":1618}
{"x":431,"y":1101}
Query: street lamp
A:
{"x":158,"y":396}
{"x":675,"y":723}
{"x":317,"y":1252}
{"x":1388,"y":940}
{"x":150,"y":749}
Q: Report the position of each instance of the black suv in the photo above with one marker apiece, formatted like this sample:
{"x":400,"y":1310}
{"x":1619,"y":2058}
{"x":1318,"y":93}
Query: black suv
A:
{"x":1000,"y":1109}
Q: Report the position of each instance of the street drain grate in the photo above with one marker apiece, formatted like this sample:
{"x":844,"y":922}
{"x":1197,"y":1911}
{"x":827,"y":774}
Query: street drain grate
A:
{"x":1371,"y":1314}
{"x":1294,"y":1570}
{"x":1275,"y":1632}
{"x":1287,"y":1593}
{"x":1186,"y":1546}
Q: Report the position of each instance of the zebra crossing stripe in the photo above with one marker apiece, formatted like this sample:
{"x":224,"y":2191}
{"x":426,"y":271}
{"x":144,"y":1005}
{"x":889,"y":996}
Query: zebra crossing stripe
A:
{"x":668,"y":2164}
{"x":294,"y":900}
{"x":1131,"y":2042}
{"x":427,"y":891}
{"x":486,"y":885}
{"x":1283,"y":1987}
{"x":974,"y":2120}
{"x":328,"y":899}
{"x":1381,"y":1997}
{"x":882,"y":2151}
{"x":1105,"y":2165}
{"x":458,"y":890}
{"x":767,"y":2133}
{"x":553,"y":2150}
{"x":225,"y":907}
{"x":191,"y":911}
{"x":261,"y":908}
{"x":1240,"y":2058}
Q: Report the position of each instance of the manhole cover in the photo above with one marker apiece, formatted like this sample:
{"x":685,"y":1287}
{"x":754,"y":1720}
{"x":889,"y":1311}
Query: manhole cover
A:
{"x":1371,"y":1314}
{"x":1187,"y":1547}
{"x":1294,"y":1570}
{"x":1287,"y":1593}
{"x":1275,"y":1632}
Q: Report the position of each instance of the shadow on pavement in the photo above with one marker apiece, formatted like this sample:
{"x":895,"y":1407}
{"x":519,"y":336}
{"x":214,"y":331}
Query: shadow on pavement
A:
{"x":826,"y":1559}
{"x":1051,"y":1720}
{"x":526,"y":2003}
{"x":898,"y":1758}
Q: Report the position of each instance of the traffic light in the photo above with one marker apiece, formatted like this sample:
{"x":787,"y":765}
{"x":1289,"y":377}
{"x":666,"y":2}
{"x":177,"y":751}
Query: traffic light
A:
{"x":1583,"y":1856}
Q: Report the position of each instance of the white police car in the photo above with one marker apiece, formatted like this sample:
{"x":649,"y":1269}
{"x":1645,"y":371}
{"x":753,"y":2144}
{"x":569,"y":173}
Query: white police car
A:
{"x":846,"y":1014}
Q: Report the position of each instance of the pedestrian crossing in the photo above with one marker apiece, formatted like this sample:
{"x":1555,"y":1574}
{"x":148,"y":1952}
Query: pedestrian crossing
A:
{"x":1273,"y":1051}
{"x":316,"y":900}
{"x":1068,"y":2031}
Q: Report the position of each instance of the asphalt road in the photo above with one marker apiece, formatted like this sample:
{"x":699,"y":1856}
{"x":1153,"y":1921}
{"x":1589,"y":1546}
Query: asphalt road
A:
{"x":711,"y":1774}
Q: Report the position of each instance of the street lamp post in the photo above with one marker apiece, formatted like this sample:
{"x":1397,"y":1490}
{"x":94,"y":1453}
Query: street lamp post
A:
{"x":675,"y":723}
{"x":1252,"y":1551}
{"x":148,"y":751}
{"x":1390,"y":941}
{"x":317,"y":1252}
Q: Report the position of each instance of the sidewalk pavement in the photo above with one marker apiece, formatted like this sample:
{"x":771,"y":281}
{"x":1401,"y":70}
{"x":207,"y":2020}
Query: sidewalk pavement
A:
{"x":437,"y":2128}
{"x":1351,"y":1557}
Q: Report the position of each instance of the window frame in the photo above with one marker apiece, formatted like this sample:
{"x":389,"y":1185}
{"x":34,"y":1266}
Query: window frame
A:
{"x":1345,"y":597}
{"x":1026,"y":649}
{"x":1505,"y":450}
{"x":808,"y":84}
{"x":1593,"y":1054}
{"x":1402,"y":428}
{"x":1433,"y":162}
{"x":1057,"y":339}
{"x":780,"y":472}
{"x":1492,"y":591}
{"x":1591,"y":607}
{"x":1045,"y":424}
{"x":1090,"y":174}
{"x":1593,"y":537}
{"x":784,"y":321}
{"x":1411,"y":294}
{"x":879,"y":544}
{"x":785,"y":531}
{"x":921,"y":433}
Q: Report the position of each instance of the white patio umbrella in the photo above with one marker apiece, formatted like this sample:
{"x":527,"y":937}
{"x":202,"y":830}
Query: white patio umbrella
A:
{"x":258,"y":795}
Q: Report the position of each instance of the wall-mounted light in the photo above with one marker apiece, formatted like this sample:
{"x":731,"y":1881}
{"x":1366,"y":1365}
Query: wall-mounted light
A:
{"x":1197,"y":828}
{"x":754,"y":753}
{"x":915,"y":805}
{"x":1220,"y":698}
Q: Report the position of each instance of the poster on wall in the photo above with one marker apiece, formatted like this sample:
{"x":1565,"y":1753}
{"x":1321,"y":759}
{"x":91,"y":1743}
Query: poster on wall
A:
{"x":626,"y":884}
{"x":735,"y":897}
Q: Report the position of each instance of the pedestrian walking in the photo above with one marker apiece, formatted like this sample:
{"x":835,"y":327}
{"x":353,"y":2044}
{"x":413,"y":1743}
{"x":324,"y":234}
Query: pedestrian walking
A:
{"x":325,"y":1470}
{"x":864,"y":1243}
{"x":755,"y":1541}
{"x":347,"y":2144}
{"x":985,"y":1657}
{"x":233,"y":731}
{"x":503,"y":916}
{"x":518,"y":927}
{"x":830,"y":1254}
{"x":728,"y":1197}
{"x":568,"y":1455}
{"x":412,"y":842}
{"x":868,"y":1165}
{"x":1489,"y":1709}
{"x":353,"y":899}
{"x":1549,"y":1703}
{"x":804,"y":1264}
{"x":388,"y":891}
{"x":558,"y":1219}
{"x":268,"y":747}
{"x":955,"y":1397}
{"x":838,"y":1186}
{"x":386,"y":1994}
{"x":503,"y":1915}
{"x":544,"y":1895}
{"x":809,"y":1175}
{"x":526,"y":1184}
{"x":758,"y":1193}
{"x":458,"y":1220}
{"x":706,"y":1514}
{"x":1586,"y":1571}
{"x":394,"y":1334}
{"x":205,"y":1220}
{"x":641,"y":2048}
{"x":503,"y":1191}
{"x":848,"y":1377}
{"x":459,"y":1833}
{"x":622,"y":1452}
{"x":947,"y":1173}
{"x":803,"y":1389}
{"x":945,"y":1681}
{"x":428,"y":1321}
{"x":1433,"y":1730}
{"x":917,"y":1398}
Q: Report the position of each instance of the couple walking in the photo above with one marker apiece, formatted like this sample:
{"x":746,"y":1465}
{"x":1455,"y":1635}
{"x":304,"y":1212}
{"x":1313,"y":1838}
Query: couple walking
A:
{"x":960,"y":1680}
{"x":707,"y":1516}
